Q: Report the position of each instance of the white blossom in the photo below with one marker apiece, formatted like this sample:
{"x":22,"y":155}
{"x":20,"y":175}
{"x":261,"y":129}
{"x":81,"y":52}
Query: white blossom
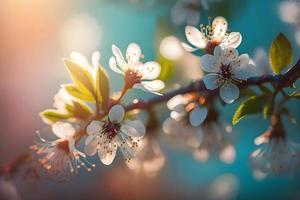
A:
{"x":210,"y":36}
{"x":261,"y":62}
{"x":225,"y":68}
{"x":136,"y":74}
{"x":105,"y":136}
{"x":60,"y":157}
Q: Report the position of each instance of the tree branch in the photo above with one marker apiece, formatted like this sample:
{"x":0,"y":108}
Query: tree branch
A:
{"x":283,"y":80}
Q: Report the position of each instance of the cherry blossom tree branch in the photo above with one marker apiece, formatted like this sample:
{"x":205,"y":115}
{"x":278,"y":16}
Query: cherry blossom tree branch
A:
{"x":283,"y":80}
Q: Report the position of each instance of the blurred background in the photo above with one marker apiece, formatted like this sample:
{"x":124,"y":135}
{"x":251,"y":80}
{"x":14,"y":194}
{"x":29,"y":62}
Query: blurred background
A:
{"x":36,"y":35}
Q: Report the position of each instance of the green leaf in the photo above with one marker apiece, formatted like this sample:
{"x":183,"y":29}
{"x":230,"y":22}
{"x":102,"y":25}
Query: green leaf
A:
{"x":253,"y":105}
{"x":264,"y":89}
{"x":280,"y":53}
{"x":73,"y":90}
{"x":102,"y":85}
{"x":79,"y":110}
{"x":52,"y":116}
{"x":81,"y":77}
{"x":295,"y":95}
{"x":267,"y":111}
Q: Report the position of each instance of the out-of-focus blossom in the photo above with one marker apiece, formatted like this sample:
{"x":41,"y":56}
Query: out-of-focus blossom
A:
{"x":190,"y":105}
{"x":105,"y":136}
{"x":150,"y":159}
{"x":276,"y":154}
{"x":289,"y":12}
{"x":210,"y":36}
{"x":225,"y":68}
{"x":188,"y":11}
{"x":136,"y":74}
{"x":261,"y":62}
{"x":61,"y":99}
{"x":214,"y":139}
{"x":170,"y":48}
{"x":60,"y":157}
{"x":81,"y":33}
{"x":8,"y":190}
{"x":224,"y":187}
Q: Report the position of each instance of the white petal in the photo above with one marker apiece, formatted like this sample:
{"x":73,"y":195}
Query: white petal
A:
{"x":116,"y":113}
{"x":108,"y":155}
{"x":195,"y":37}
{"x":80,"y":59}
{"x":218,"y":51}
{"x":150,"y":70}
{"x":233,"y":40}
{"x":133,"y":128}
{"x":133,"y":53}
{"x":155,"y":85}
{"x":113,"y":65}
{"x":96,"y":59}
{"x":241,"y":69}
{"x":198,"y":115}
{"x":177,"y":100}
{"x":92,"y":144}
{"x":119,"y":56}
{"x":229,"y":92}
{"x":94,"y":127}
{"x":211,"y":81}
{"x":188,"y":47}
{"x":219,"y":28}
{"x":209,"y":63}
{"x":63,"y":130}
{"x":229,"y":55}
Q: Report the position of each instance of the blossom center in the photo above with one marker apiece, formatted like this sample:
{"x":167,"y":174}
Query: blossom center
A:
{"x":111,"y":129}
{"x":64,"y":145}
{"x":226,"y":71}
{"x":132,"y":77}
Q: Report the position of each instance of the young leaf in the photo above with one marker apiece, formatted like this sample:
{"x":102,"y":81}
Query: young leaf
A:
{"x":79,"y":110}
{"x":51,"y":116}
{"x":295,"y":95}
{"x":73,"y":90}
{"x":102,"y":85}
{"x":253,"y":105}
{"x":81,"y":77}
{"x":280,"y":53}
{"x":267,"y":111}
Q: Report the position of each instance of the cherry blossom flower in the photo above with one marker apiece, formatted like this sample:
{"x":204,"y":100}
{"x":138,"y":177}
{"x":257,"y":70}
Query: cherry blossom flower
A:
{"x":60,"y":157}
{"x":214,"y":138}
{"x":210,"y":36}
{"x":150,"y":159}
{"x":105,"y":136}
{"x":276,"y":154}
{"x":136,"y":74}
{"x":190,"y":105}
{"x":226,"y":68}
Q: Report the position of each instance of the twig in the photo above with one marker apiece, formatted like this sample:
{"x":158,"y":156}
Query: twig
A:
{"x":283,"y":80}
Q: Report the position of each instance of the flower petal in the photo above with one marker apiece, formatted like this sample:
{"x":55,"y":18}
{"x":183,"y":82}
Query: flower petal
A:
{"x":150,"y":70}
{"x":211,"y":81}
{"x":91,"y":146}
{"x":176,"y":100}
{"x":241,"y":69}
{"x":133,"y":53}
{"x":219,"y":28}
{"x":195,"y":37}
{"x":63,"y":130}
{"x":107,"y":154}
{"x":96,"y":59}
{"x":119,"y":56}
{"x":209,"y":63}
{"x":188,"y":47}
{"x":198,"y":115}
{"x":233,"y":40}
{"x":229,"y":92}
{"x":133,"y":128}
{"x":113,"y":65}
{"x":116,"y":113}
{"x":94,"y":127}
{"x":155,"y":85}
{"x":229,"y":55}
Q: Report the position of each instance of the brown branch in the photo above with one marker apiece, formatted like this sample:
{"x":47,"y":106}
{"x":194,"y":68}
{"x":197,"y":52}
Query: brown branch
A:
{"x":283,"y":80}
